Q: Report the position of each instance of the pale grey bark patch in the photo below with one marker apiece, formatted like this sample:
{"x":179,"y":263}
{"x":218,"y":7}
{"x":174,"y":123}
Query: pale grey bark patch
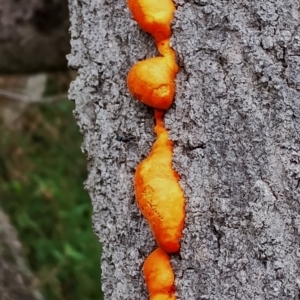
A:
{"x":237,"y":149}
{"x":235,"y":124}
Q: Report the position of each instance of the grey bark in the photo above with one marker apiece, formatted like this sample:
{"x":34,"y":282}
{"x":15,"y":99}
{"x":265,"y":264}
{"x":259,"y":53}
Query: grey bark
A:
{"x":33,"y":35}
{"x":235,"y":124}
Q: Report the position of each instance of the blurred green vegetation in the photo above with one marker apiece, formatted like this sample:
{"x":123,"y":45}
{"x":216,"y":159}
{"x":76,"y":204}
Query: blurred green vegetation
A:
{"x":42,"y":171}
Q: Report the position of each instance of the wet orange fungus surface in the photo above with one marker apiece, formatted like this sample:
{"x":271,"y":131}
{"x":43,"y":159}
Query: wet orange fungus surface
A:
{"x":159,"y":276}
{"x":152,"y":82}
{"x":158,"y":193}
{"x":153,"y":16}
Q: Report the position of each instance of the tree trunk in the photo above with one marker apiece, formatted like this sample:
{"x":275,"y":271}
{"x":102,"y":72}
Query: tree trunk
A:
{"x":33,"y":35}
{"x":235,"y":124}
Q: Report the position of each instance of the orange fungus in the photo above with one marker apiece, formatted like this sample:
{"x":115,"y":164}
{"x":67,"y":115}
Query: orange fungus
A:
{"x":152,"y":82}
{"x":159,"y":276}
{"x":158,"y":193}
{"x":163,"y":297}
{"x":153,"y":16}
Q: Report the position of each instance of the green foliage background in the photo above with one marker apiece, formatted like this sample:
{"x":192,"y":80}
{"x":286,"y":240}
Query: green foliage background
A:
{"x":42,"y":171}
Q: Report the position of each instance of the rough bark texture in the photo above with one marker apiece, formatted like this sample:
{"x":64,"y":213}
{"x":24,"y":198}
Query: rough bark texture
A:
{"x":16,"y":281}
{"x":33,"y":35}
{"x":235,"y":123}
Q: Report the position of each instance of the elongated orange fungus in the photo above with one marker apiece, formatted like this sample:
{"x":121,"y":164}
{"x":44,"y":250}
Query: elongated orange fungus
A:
{"x":153,"y":16}
{"x":158,"y":193}
{"x":159,"y":276}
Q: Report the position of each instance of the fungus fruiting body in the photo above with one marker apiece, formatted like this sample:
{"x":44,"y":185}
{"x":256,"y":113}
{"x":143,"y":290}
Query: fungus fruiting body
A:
{"x":152,"y":82}
{"x":159,"y":276}
{"x":158,"y":193}
{"x":153,"y":16}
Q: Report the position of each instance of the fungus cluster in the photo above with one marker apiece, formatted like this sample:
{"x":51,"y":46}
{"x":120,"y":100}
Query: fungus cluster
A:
{"x":158,"y":193}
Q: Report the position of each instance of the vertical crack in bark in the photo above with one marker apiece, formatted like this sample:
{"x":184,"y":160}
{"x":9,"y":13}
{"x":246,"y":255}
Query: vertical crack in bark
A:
{"x":158,"y":193}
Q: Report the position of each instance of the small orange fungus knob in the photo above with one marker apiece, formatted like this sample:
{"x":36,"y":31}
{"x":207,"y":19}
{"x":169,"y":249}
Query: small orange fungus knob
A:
{"x":153,"y":16}
{"x":159,"y":276}
{"x":152,"y":82}
{"x":158,"y":193}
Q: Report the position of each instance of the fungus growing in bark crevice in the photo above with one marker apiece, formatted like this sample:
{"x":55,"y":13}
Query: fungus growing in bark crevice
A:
{"x":153,"y":16}
{"x":151,"y":81}
{"x":158,"y":193}
{"x":159,"y":276}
